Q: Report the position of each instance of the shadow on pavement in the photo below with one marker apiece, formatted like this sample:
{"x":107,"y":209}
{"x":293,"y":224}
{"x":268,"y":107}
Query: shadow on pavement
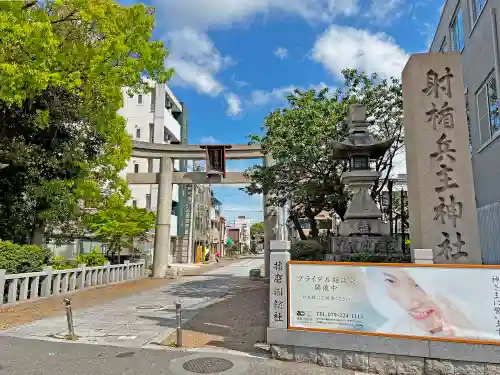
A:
{"x":236,"y":323}
{"x":208,"y":286}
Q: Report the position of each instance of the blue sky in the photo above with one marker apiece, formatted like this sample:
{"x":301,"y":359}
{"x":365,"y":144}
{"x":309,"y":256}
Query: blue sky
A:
{"x":236,"y":60}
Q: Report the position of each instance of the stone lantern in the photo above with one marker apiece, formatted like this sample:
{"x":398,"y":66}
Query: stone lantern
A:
{"x":363,"y":217}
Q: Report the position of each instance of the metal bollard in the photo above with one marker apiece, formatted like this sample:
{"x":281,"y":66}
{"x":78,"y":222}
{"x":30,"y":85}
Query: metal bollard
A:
{"x":69,"y":317}
{"x":179,"y":323}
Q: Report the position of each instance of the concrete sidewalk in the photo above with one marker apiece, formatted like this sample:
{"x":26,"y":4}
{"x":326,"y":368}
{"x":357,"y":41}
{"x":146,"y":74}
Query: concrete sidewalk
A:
{"x":144,"y":318}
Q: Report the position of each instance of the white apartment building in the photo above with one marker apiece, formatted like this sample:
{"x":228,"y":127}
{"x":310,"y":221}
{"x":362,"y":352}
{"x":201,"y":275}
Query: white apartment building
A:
{"x":243,"y":224}
{"x":152,"y":117}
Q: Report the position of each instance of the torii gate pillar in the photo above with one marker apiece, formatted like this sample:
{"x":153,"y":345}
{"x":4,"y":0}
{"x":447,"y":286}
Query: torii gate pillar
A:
{"x":270,"y":223}
{"x":162,"y":256}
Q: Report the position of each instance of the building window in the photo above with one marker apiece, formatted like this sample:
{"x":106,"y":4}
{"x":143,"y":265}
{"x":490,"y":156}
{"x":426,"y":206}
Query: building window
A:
{"x":487,"y":108}
{"x":134,"y":203}
{"x":138,"y":133}
{"x":443,"y":45}
{"x":467,"y":112}
{"x":168,"y":102}
{"x":150,"y":165}
{"x":139,"y":99}
{"x":148,"y":201}
{"x":136,"y":168}
{"x":477,"y":7}
{"x":166,"y":135}
{"x":457,"y":31}
{"x":153,"y":99}
{"x":152,"y":133}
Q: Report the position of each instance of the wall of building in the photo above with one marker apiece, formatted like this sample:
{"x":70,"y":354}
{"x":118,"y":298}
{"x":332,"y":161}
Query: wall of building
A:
{"x":478,"y":60}
{"x":149,"y":120}
{"x":243,"y":224}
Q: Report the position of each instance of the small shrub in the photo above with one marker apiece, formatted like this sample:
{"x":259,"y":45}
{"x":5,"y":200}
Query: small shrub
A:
{"x":93,"y":259}
{"x":61,"y":263}
{"x":307,"y":250}
{"x":368,"y":257}
{"x":15,"y":258}
{"x":232,"y":251}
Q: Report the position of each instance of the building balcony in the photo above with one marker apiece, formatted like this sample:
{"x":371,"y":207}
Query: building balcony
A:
{"x":172,"y":126}
{"x":175,"y":193}
{"x":212,"y":214}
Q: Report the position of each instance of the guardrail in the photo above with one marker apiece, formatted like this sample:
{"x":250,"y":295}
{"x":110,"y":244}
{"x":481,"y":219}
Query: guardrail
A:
{"x":22,"y":287}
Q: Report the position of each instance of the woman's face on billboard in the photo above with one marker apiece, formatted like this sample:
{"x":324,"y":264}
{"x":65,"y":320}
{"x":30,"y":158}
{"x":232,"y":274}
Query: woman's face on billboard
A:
{"x":403,"y":290}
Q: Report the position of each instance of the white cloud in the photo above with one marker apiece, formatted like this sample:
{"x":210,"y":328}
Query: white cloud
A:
{"x":233,"y":104}
{"x":262,"y":97}
{"x":209,"y":140}
{"x":383,"y":11}
{"x":239,"y":83}
{"x":193,"y":55}
{"x":281,"y":53}
{"x":196,"y":61}
{"x":346,"y":47}
{"x":203,"y":14}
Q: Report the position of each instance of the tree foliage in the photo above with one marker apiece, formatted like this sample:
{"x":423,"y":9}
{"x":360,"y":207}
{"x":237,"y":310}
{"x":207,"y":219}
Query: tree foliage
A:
{"x":93,"y":259}
{"x":63,"y":66}
{"x":257,"y":229}
{"x":118,"y":224}
{"x":305,"y":171}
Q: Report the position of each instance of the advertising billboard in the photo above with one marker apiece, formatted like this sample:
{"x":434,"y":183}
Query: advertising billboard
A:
{"x":450,"y":303}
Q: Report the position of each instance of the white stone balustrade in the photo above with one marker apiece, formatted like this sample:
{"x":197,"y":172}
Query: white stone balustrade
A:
{"x":23,"y":287}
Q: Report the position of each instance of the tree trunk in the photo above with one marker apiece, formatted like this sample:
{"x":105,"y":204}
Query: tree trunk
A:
{"x":311,"y":216}
{"x":314,"y":226}
{"x":340,"y":209}
{"x":298,"y":227}
{"x":36,"y":237}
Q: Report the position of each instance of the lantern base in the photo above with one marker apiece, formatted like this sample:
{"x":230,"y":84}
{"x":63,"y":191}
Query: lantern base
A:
{"x":363,"y":227}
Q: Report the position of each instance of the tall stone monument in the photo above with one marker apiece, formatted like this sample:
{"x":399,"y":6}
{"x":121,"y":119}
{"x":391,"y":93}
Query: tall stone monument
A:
{"x":441,"y":196}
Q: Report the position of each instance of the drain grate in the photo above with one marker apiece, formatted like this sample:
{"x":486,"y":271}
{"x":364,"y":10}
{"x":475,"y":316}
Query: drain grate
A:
{"x":207,"y":365}
{"x":125,"y":355}
{"x":149,"y":307}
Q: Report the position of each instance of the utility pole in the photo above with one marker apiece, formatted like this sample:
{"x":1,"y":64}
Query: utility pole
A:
{"x":191,"y":225}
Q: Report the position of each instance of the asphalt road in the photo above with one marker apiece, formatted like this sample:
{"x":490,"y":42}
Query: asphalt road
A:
{"x":33,"y":357}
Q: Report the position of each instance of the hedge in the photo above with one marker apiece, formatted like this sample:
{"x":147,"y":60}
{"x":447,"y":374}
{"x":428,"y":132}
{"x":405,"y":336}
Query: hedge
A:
{"x":16,"y":258}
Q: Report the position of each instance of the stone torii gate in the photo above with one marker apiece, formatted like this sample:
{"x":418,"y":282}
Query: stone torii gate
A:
{"x":167,"y":176}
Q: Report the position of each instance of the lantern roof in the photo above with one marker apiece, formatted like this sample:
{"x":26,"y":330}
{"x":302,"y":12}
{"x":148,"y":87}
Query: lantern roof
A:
{"x":360,"y":140}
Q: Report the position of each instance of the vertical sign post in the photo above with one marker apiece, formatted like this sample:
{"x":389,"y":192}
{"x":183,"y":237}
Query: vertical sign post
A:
{"x":440,"y":184}
{"x":278,"y":284}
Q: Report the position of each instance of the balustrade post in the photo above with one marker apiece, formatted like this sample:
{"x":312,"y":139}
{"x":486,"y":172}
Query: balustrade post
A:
{"x":81,"y":277}
{"x":2,"y":285}
{"x":47,"y":282}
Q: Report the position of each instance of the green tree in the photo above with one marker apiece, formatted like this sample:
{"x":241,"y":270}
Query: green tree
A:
{"x":257,"y":229}
{"x":64,"y":64}
{"x":256,"y":234}
{"x":118,"y":224}
{"x":305,"y":171}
